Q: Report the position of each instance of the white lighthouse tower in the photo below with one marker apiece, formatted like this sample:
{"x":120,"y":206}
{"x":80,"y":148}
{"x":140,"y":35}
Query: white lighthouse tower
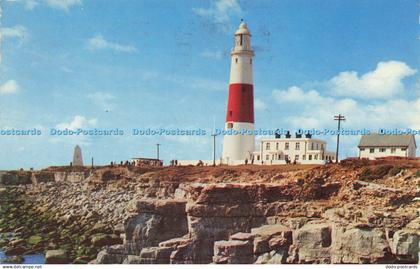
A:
{"x":237,"y":147}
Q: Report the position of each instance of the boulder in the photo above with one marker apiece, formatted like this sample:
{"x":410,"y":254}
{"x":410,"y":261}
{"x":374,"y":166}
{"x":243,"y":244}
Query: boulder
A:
{"x":232,"y":248}
{"x":360,"y":245}
{"x":13,"y":260}
{"x":15,"y":251}
{"x":311,"y":243}
{"x":100,"y":240}
{"x":132,"y":259}
{"x":58,"y":256}
{"x":405,"y":245}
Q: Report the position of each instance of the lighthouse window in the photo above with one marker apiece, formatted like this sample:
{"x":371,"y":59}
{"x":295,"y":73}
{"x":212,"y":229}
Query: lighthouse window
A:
{"x":230,"y":125}
{"x":241,"y":39}
{"x":236,"y":60}
{"x":230,"y":113}
{"x":250,"y":61}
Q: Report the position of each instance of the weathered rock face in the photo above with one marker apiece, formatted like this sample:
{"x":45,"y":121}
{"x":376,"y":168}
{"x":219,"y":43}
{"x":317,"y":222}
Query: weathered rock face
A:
{"x":149,"y":223}
{"x":266,"y":244}
{"x":70,"y":176}
{"x":328,"y":214}
{"x":311,"y":243}
{"x":405,"y":245}
{"x":15,"y":177}
{"x":224,"y":223}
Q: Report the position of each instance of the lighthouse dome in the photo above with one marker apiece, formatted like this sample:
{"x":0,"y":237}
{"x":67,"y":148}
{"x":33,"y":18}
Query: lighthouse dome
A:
{"x":243,"y":29}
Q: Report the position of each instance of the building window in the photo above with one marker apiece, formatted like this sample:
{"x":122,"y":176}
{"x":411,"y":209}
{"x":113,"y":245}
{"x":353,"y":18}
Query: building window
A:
{"x":279,"y":157}
{"x":286,"y":146}
{"x":382,"y":149}
{"x":312,"y":146}
{"x":371,"y":150}
{"x":322,"y":146}
{"x":316,"y":156}
{"x":277,"y":146}
{"x":297,"y":147}
{"x":267,"y":146}
{"x":230,"y":125}
{"x":286,"y":157}
{"x":303,"y":157}
{"x":267,"y":157}
{"x":297,"y":157}
{"x":403,"y":149}
{"x":393,"y":150}
{"x":310,"y":157}
{"x":362,"y":149}
{"x":258,"y":157}
{"x":317,"y":146}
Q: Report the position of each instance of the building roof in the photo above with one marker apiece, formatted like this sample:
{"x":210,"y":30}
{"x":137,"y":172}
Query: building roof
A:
{"x":378,"y":140}
{"x":243,"y":29}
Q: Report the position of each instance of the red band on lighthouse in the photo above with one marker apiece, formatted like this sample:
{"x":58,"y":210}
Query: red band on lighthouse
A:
{"x":240,"y":103}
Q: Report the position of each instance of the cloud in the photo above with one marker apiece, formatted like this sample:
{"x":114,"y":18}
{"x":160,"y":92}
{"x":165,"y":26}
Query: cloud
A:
{"x":382,"y":83}
{"x":295,"y":94}
{"x":63,"y":4}
{"x":17,"y":32}
{"x":220,"y":11}
{"x":215,"y":55}
{"x":259,"y":104}
{"x":9,"y":87}
{"x":98,"y":42}
{"x":317,"y":111}
{"x":30,"y":4}
{"x":78,"y":122}
{"x":57,"y":4}
{"x":310,"y":109}
{"x":103,"y":100}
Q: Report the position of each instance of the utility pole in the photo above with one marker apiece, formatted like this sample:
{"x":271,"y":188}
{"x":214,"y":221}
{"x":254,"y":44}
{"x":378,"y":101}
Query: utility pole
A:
{"x":338,"y":118}
{"x":214,"y":149}
{"x":157,"y":150}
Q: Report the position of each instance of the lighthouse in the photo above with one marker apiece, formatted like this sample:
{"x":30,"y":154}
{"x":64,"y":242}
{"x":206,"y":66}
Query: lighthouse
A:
{"x":239,"y":139}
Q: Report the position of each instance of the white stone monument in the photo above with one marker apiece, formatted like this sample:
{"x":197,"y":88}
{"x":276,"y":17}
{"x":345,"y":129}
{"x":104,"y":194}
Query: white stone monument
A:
{"x":77,"y":156}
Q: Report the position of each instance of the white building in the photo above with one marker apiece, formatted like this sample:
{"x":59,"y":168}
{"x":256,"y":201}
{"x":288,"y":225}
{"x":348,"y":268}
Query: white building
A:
{"x":299,"y":149}
{"x":376,"y":145}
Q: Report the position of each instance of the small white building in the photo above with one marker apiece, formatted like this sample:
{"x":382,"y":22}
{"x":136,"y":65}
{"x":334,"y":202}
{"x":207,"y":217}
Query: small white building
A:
{"x":299,"y":149}
{"x":376,"y":146}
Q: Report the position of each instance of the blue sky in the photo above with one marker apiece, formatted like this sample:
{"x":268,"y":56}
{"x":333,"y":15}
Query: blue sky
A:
{"x":139,"y":64}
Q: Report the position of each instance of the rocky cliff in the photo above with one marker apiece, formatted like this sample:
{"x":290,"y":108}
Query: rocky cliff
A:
{"x":356,"y":212}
